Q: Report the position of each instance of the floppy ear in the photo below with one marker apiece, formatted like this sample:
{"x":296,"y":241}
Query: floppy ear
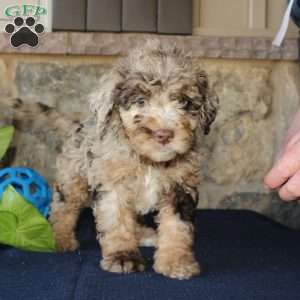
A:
{"x":102,"y":102}
{"x":209,"y":103}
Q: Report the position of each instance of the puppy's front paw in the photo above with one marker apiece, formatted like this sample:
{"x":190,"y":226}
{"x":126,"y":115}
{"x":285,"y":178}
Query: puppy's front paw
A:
{"x":123,"y":262}
{"x":183,"y":267}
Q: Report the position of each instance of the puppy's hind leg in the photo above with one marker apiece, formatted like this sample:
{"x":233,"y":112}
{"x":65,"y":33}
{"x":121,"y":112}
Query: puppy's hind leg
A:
{"x":147,"y":236}
{"x":68,"y":201}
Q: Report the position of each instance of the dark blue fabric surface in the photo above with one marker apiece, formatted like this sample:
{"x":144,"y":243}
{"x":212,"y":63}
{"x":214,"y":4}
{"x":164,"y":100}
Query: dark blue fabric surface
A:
{"x":244,"y":255}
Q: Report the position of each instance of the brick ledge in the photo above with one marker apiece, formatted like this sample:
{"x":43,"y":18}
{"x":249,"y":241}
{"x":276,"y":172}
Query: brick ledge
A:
{"x":106,"y":44}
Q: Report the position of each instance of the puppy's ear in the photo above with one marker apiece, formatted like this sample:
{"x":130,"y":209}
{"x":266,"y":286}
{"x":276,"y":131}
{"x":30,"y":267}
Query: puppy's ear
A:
{"x":122,"y":94}
{"x":102,"y":102}
{"x":209,"y":104}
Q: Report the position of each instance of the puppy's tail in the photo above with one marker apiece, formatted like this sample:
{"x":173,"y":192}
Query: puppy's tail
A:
{"x":26,"y":115}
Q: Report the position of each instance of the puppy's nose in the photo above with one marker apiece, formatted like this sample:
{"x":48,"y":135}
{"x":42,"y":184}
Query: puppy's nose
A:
{"x":163,"y":136}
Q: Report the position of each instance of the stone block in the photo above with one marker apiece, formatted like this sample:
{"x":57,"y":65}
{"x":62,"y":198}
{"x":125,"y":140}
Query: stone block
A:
{"x":57,"y":85}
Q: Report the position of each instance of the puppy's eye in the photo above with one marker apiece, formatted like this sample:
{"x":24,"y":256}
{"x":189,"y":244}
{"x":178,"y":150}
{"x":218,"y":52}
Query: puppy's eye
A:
{"x":141,"y":102}
{"x":184,"y":102}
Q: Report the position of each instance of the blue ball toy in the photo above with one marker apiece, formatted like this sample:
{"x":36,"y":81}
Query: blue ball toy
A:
{"x":28,"y":183}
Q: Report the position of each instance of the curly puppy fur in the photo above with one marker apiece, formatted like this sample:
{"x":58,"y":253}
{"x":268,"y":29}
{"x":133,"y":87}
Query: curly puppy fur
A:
{"x":135,"y":154}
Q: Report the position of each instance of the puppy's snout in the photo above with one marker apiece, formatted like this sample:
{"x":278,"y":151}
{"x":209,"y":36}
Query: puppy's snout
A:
{"x":163,"y":136}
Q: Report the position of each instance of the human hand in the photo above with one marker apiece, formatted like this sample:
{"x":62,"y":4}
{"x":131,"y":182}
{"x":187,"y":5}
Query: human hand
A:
{"x":285,"y":174}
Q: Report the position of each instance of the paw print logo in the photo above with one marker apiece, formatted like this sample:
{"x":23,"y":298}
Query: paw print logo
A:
{"x":24,"y":32}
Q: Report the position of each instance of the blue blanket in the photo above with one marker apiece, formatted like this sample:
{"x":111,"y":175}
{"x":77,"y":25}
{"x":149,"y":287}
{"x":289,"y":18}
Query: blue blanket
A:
{"x":244,"y":256}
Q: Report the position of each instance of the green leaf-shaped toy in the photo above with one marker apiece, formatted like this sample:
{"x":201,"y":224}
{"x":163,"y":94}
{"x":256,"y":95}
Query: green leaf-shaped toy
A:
{"x":22,"y":226}
{"x":6,"y":134}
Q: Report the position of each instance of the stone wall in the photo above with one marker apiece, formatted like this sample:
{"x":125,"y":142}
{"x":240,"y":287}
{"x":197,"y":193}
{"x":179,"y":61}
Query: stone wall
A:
{"x":257,"y":102}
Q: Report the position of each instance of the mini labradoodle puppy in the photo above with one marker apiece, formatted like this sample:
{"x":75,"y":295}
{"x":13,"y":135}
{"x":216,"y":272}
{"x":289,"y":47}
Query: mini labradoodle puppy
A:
{"x":136,"y":154}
